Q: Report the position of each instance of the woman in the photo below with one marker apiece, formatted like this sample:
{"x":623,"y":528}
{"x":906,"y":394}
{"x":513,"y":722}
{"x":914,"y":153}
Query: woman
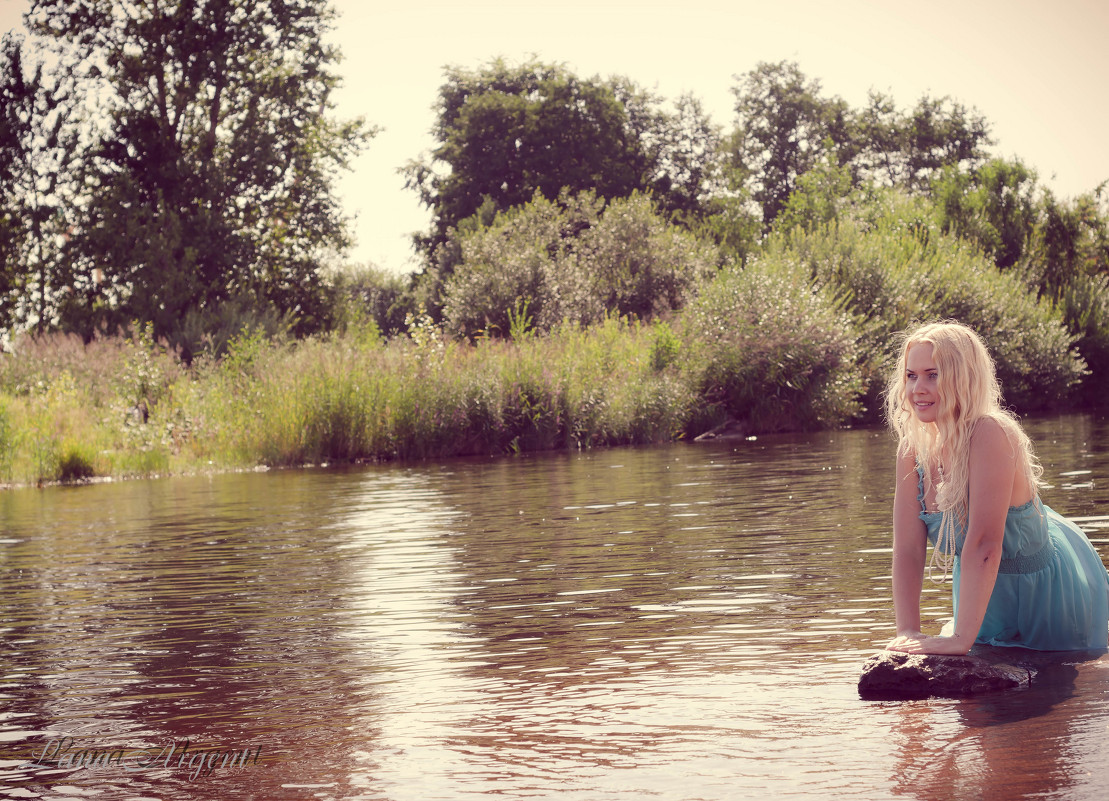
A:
{"x":967,"y":480}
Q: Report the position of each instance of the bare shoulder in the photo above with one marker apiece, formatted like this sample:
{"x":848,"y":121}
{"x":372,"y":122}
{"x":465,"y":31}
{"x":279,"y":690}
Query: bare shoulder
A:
{"x":992,"y":441}
{"x":906,"y":462}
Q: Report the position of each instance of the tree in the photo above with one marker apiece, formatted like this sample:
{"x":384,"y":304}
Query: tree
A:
{"x":505,"y":132}
{"x":1071,"y":239}
{"x":994,"y":206}
{"x":895,"y":148}
{"x":208,"y":159}
{"x":942,"y":133}
{"x":36,"y":148}
{"x":784,"y":128}
{"x":880,"y":137}
{"x":575,"y":260}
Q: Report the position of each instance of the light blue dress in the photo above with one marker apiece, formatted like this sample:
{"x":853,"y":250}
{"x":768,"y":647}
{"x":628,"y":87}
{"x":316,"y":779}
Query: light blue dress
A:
{"x":1052,"y":590}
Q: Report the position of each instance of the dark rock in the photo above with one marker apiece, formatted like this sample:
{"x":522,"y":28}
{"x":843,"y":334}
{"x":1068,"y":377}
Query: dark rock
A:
{"x":897,"y":676}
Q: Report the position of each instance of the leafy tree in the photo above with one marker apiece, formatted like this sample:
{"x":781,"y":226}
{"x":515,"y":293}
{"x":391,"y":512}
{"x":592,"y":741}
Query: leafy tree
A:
{"x":1071,"y":238}
{"x":910,"y":150}
{"x":995,"y":206}
{"x":505,"y":132}
{"x":785,"y":127}
{"x":209,"y":157}
{"x":35,"y":156}
{"x":942,"y":133}
{"x":880,"y":141}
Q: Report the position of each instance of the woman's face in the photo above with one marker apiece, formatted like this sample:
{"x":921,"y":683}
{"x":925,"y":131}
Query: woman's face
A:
{"x":922,"y":382}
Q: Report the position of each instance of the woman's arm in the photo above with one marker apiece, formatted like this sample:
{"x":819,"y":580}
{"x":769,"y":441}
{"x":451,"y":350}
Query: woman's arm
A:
{"x":992,"y":472}
{"x":910,"y":543}
{"x":993,"y":469}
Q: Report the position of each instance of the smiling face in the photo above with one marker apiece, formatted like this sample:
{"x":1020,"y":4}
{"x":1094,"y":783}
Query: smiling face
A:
{"x":922,"y":382}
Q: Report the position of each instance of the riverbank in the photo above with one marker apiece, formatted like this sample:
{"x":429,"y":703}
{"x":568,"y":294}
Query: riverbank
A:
{"x":126,"y":407}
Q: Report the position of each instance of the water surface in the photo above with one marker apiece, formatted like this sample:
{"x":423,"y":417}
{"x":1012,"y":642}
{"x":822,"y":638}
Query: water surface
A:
{"x":682,"y":622}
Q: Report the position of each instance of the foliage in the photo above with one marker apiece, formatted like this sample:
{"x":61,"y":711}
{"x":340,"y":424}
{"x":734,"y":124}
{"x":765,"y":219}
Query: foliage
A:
{"x":518,"y":257}
{"x":210,"y":330}
{"x":36,"y":154}
{"x":574,"y":261}
{"x":731,"y":221}
{"x":765,"y":346}
{"x":821,"y":196}
{"x":909,"y":149}
{"x":366,"y":294}
{"x":1071,"y":238}
{"x":994,"y":206}
{"x":785,"y":127}
{"x":205,"y":173}
{"x":506,"y":132}
{"x":893,"y":265}
{"x":1085,"y":304}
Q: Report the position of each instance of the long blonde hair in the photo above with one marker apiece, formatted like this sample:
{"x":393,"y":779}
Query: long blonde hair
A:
{"x":968,"y":392}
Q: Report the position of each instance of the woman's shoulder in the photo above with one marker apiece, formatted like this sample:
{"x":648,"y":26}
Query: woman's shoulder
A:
{"x":995,"y":428}
{"x":995,"y":438}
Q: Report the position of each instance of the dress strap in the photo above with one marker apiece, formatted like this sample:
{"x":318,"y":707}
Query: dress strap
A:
{"x":920,"y":488}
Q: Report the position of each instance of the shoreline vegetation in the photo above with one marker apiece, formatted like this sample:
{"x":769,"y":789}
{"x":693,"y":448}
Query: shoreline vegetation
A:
{"x":602,"y":266}
{"x":796,"y":339}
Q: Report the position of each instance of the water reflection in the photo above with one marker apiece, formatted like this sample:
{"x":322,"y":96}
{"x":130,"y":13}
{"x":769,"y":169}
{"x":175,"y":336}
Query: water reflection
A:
{"x":679,"y":622}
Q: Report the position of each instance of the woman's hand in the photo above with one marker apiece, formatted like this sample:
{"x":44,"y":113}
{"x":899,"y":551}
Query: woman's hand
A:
{"x":904,"y":638}
{"x":919,"y":644}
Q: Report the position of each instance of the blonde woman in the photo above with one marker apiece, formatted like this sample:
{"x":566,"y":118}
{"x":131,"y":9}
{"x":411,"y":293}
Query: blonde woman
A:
{"x":967,"y":480}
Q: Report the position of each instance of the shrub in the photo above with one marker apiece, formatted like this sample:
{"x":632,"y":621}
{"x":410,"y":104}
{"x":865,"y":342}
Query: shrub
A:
{"x":634,"y":264}
{"x":765,"y":346}
{"x":574,"y":261}
{"x":76,"y":462}
{"x":1085,"y":304}
{"x":366,"y":295}
{"x":893,"y":267}
{"x":519,"y":257}
{"x":211,"y":329}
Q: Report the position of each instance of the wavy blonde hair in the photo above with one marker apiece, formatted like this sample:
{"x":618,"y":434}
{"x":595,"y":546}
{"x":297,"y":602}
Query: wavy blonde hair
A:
{"x":968,"y":392}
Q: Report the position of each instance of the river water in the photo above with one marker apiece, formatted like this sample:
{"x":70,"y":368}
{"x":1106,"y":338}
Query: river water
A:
{"x":680,"y":622}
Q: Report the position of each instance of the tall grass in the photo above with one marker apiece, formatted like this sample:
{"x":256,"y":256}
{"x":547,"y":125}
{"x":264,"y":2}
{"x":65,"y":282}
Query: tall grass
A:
{"x":326,"y":399}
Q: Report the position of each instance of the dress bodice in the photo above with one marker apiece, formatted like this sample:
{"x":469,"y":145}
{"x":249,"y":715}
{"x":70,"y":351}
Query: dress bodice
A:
{"x":1051,"y":592}
{"x":1026,"y":546}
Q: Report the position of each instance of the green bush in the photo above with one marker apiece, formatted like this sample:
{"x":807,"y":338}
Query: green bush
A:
{"x":366,"y":296}
{"x":764,"y":346}
{"x":1085,"y":304}
{"x":575,"y":260}
{"x":893,"y":266}
{"x":519,"y":257}
{"x":76,"y":462}
{"x":634,"y":264}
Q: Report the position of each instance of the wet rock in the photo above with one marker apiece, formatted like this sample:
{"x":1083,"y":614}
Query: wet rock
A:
{"x":895,"y":676}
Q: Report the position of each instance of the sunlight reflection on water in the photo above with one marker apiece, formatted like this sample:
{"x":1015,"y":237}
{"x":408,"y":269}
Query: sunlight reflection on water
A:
{"x":680,"y":622}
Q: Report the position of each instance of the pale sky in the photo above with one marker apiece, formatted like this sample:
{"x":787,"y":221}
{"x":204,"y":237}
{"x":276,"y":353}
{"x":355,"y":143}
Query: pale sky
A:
{"x":1036,"y":70}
